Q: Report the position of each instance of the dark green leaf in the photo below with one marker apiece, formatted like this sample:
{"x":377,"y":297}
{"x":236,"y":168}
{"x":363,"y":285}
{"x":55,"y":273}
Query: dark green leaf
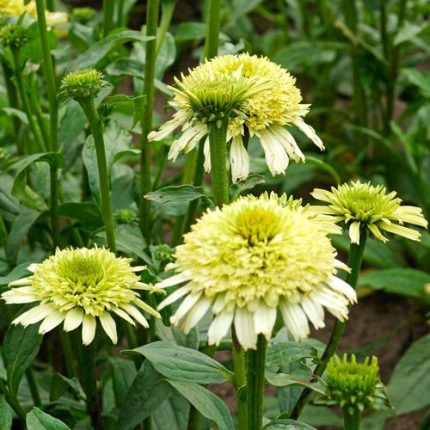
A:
{"x":5,"y":415}
{"x":60,"y":385}
{"x":85,"y":212}
{"x":172,"y":414}
{"x":124,"y":373}
{"x":17,"y":273}
{"x":190,"y":31}
{"x":183,"y":364}
{"x":288,"y":425}
{"x":248,"y":184}
{"x":38,"y":420}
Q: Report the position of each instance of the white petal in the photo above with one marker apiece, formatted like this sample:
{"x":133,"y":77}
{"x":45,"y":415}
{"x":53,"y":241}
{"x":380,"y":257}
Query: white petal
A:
{"x":401,"y":231}
{"x":20,"y":282}
{"x":219,"y":327}
{"x":19,"y":295}
{"x":354,"y":232}
{"x":196,"y":313}
{"x":276,"y":156}
{"x":176,"y":295}
{"x":314,"y":311}
{"x":289,"y":143}
{"x":138,"y":268}
{"x":34,"y":315}
{"x":189,"y":139}
{"x":341,"y":265}
{"x":73,"y":319}
{"x":32,"y":268}
{"x":295,"y":320}
{"x":166,"y":129}
{"x":132,"y":311}
{"x":124,"y":315}
{"x":51,"y":321}
{"x":145,"y":307}
{"x":88,"y":329}
{"x":239,"y":160}
{"x":207,"y":154}
{"x":184,"y":307}
{"x":172,"y":281}
{"x":244,"y":327}
{"x":310,"y":133}
{"x":264,"y":320}
{"x":343,"y":288}
{"x":109,"y":326}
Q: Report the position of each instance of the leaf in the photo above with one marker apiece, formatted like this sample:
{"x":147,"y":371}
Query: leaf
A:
{"x":86,"y":213}
{"x":60,"y":385}
{"x":38,"y":420}
{"x":206,"y":402}
{"x":172,"y":414}
{"x":183,"y":364}
{"x":298,"y":377}
{"x":407,"y":282}
{"x":174,"y":200}
{"x":129,"y":239}
{"x":408,"y":386}
{"x":97,"y":52}
{"x":12,"y":112}
{"x":420,"y":79}
{"x":147,"y":392}
{"x":407,"y":32}
{"x":124,"y":373}
{"x":17,"y":272}
{"x":282,"y":353}
{"x":190,"y":31}
{"x":5,"y":415}
{"x":247,"y":184}
{"x":288,"y":425}
{"x":20,"y":347}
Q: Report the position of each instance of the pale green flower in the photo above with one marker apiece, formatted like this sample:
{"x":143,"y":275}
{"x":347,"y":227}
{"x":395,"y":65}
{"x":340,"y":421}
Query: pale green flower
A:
{"x":251,"y":258}
{"x":82,"y":84}
{"x":257,"y":97}
{"x":79,"y":286}
{"x":360,"y":205}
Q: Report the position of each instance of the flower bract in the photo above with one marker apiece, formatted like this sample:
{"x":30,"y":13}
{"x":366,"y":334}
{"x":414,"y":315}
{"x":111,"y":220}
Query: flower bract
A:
{"x":251,"y":259}
{"x":362,"y":205}
{"x":80,"y":287}
{"x":258,"y":97}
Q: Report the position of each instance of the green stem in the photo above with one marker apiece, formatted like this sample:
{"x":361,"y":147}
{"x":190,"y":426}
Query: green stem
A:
{"x":108,"y":11}
{"x":194,"y":419}
{"x":92,"y":115}
{"x":50,"y":5}
{"x":239,"y":364}
{"x":49,"y":74}
{"x":255,"y":389}
{"x":55,"y":219}
{"x":213,"y":29}
{"x":13,"y":402}
{"x":218,"y":153}
{"x":351,"y":421}
{"x":26,"y":103}
{"x":33,"y":387}
{"x":355,"y":259}
{"x":12,"y":96}
{"x":152,"y":10}
{"x":167,"y":8}
{"x":67,"y":349}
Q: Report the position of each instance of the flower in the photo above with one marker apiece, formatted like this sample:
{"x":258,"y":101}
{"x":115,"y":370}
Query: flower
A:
{"x":79,"y":286}
{"x":266,"y":101}
{"x":13,"y":36}
{"x":82,"y":84}
{"x":362,"y":205}
{"x":251,"y":258}
{"x":18,"y":7}
{"x":354,"y":386}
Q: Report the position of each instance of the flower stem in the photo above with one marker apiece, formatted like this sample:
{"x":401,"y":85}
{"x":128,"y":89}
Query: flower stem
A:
{"x":213,"y":29}
{"x":255,"y":389}
{"x":351,"y":421}
{"x":66,"y":346}
{"x":108,"y":11}
{"x":152,"y":10}
{"x":218,"y":153}
{"x":13,"y":402}
{"x":26,"y":103}
{"x":12,"y":96}
{"x":90,"y":110}
{"x":167,"y":8}
{"x":33,"y":387}
{"x":239,"y":364}
{"x":355,"y":259}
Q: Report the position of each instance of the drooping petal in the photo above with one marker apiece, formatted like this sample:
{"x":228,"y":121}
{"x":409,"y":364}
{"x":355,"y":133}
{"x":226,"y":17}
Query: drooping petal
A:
{"x":264,"y":319}
{"x":314,"y":311}
{"x":109,"y":326}
{"x":89,"y":326}
{"x":145,"y":307}
{"x":219,"y":327}
{"x":53,"y":320}
{"x":207,"y":154}
{"x":344,"y":288}
{"x":172,"y":281}
{"x":19,"y":295}
{"x":176,"y":295}
{"x":276,"y":157}
{"x":133,"y":312}
{"x":409,"y":233}
{"x":184,"y":307}
{"x":34,"y":315}
{"x":289,"y":143}
{"x":295,"y":320}
{"x":196,"y":313}
{"x":239,"y":160}
{"x":73,"y":319}
{"x":244,"y":327}
{"x":354,"y":232}
{"x":309,"y":132}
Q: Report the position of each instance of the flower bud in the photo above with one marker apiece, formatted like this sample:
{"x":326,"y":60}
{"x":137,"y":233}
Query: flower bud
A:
{"x":82,"y":84}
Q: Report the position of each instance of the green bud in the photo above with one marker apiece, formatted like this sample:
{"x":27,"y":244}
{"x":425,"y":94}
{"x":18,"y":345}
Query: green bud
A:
{"x":14,"y":36}
{"x":82,"y":84}
{"x":161,"y":254}
{"x":125,"y":216}
{"x":83,"y":14}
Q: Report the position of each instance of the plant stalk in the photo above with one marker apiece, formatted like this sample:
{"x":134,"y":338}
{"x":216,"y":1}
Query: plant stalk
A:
{"x":152,"y":11}
{"x":167,"y":8}
{"x":108,"y":12}
{"x":239,"y":364}
{"x":255,"y":389}
{"x":13,"y":402}
{"x":92,"y":115}
{"x":67,"y":349}
{"x":213,"y":29}
{"x":351,"y":421}
{"x":355,"y":259}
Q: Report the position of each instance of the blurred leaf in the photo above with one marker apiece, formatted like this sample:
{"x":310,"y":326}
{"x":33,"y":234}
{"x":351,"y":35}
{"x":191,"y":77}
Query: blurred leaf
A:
{"x":183,"y":364}
{"x":85,"y":213}
{"x":190,"y":31}
{"x":60,"y":385}
{"x":409,"y":384}
{"x":420,"y":79}
{"x":407,"y":32}
{"x":288,"y":425}
{"x":38,"y":420}
{"x":245,"y":185}
{"x":97,"y":52}
{"x":207,"y":403}
{"x":407,"y":282}
{"x":17,"y":113}
{"x":16,"y":273}
{"x":5,"y":415}
{"x":20,"y":347}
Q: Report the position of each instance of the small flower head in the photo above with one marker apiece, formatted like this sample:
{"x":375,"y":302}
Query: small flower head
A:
{"x":360,"y":205}
{"x":161,"y":254}
{"x":84,"y":14}
{"x":14,"y":36}
{"x":82,"y":84}
{"x":352,"y":385}
{"x":79,"y":286}
{"x":248,"y":260}
{"x":256,"y":95}
{"x":126,"y":216}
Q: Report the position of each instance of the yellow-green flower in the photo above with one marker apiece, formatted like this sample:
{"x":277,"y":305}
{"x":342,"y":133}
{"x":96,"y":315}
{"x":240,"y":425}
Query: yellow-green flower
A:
{"x":352,"y":385}
{"x":360,"y":205}
{"x":79,"y":286}
{"x":251,"y":258}
{"x":18,"y":7}
{"x":269,"y":102}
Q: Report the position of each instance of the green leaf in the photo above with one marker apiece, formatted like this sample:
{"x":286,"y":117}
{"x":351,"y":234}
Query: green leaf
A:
{"x":20,"y":347}
{"x":206,"y":402}
{"x":124,"y":373}
{"x":420,"y":79}
{"x":408,"y":388}
{"x":97,"y":52}
{"x":129,"y":239}
{"x":174,"y":200}
{"x":288,"y":425}
{"x":407,"y":32}
{"x":297,"y":377}
{"x":247,"y":184}
{"x":5,"y":415}
{"x":190,"y":31}
{"x":172,"y":414}
{"x":407,"y":282}
{"x":282,"y":353}
{"x":38,"y":420}
{"x":184,"y":364}
{"x":17,"y":272}
{"x":147,"y":392}
{"x":86,"y":213}
{"x":60,"y":385}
